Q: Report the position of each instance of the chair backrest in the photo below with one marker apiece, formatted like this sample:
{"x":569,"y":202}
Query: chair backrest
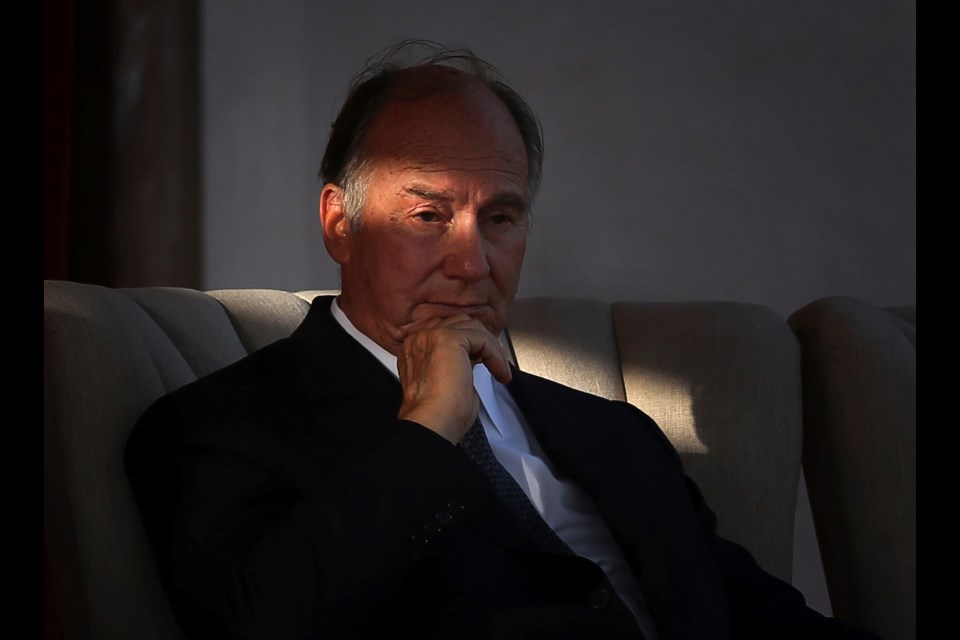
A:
{"x":107,"y":354}
{"x":860,"y":456}
{"x":722,"y":379}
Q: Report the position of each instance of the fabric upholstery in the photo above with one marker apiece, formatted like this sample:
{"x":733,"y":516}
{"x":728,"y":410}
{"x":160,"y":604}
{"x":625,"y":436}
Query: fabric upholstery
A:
{"x":859,"y":451}
{"x":722,"y":379}
{"x":569,"y":341}
{"x":109,"y":353}
{"x":105,"y":360}
{"x":262,"y":316}
{"x":194,"y":322}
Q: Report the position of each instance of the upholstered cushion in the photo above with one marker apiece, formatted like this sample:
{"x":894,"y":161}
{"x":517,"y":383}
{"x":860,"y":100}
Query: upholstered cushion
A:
{"x":108,"y":353}
{"x":104,"y":361}
{"x":569,"y":341}
{"x":721,"y":379}
{"x":860,"y":448}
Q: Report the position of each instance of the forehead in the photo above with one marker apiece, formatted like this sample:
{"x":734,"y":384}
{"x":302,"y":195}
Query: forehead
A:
{"x":453,"y":123}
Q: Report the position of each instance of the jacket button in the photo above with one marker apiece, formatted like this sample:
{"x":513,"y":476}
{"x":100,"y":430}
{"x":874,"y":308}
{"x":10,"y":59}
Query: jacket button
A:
{"x":600,"y":598}
{"x":419,"y":540}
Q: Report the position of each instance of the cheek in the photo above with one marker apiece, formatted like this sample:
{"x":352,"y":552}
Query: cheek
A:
{"x":415,"y":263}
{"x":404,"y":266}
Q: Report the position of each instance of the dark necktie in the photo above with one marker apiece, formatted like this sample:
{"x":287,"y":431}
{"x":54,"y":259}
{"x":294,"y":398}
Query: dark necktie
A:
{"x":476,"y":446}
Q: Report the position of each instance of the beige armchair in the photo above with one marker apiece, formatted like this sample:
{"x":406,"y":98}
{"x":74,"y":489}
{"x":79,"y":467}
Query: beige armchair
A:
{"x":723,"y":379}
{"x":860,"y":456}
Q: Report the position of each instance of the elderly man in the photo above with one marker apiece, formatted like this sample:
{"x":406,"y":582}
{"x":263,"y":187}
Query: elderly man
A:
{"x":384,"y":472}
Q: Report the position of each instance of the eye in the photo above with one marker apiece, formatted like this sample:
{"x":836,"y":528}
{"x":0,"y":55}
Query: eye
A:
{"x":427,"y":215}
{"x":501,"y":218}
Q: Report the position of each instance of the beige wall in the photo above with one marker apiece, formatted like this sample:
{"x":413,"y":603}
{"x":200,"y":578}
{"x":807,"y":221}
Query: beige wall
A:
{"x":756,"y":151}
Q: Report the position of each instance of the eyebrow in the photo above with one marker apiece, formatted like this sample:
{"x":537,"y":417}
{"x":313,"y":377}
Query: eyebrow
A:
{"x":509,"y":200}
{"x":422,"y":192}
{"x":502,"y":199}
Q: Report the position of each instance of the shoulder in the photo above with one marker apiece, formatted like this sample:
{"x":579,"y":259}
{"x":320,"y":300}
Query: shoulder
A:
{"x":263,"y":382}
{"x":316,"y":353}
{"x":219,"y":400}
{"x":535,"y":390}
{"x":318,"y":375}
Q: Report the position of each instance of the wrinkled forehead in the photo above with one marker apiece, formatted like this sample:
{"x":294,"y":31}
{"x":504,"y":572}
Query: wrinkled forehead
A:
{"x":443,"y":114}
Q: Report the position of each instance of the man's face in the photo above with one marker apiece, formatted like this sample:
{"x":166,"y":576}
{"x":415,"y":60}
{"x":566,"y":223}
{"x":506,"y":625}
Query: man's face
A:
{"x":444,"y":224}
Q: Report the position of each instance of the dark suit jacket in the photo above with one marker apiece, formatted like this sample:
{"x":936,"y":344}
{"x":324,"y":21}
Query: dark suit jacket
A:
{"x":285,"y":500}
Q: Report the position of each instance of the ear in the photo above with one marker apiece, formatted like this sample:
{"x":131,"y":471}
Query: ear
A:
{"x":336,"y":227}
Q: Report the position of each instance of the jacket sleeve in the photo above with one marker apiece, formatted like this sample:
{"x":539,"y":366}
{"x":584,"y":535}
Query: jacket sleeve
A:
{"x":762,"y":605}
{"x":252,"y":543}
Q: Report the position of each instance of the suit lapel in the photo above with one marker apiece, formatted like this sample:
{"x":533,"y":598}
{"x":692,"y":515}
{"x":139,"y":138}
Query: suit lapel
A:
{"x":590,"y":440}
{"x":618,"y":456}
{"x":334,"y":365}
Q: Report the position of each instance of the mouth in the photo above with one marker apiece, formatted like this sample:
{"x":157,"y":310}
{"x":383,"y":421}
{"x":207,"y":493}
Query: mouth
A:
{"x":471,"y":309}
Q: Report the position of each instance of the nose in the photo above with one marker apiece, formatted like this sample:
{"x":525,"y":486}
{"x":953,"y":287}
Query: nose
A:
{"x":466,"y":256}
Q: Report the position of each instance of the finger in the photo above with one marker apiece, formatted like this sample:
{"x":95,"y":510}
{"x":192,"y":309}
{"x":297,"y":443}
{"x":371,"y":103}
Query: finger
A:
{"x":426,"y":324}
{"x":479,"y":345}
{"x":483,"y":347}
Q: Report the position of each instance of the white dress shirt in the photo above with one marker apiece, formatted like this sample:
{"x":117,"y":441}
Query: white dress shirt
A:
{"x":568,"y":510}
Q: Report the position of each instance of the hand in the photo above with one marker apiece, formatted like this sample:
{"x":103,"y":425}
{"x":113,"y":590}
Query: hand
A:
{"x":436,"y":371}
